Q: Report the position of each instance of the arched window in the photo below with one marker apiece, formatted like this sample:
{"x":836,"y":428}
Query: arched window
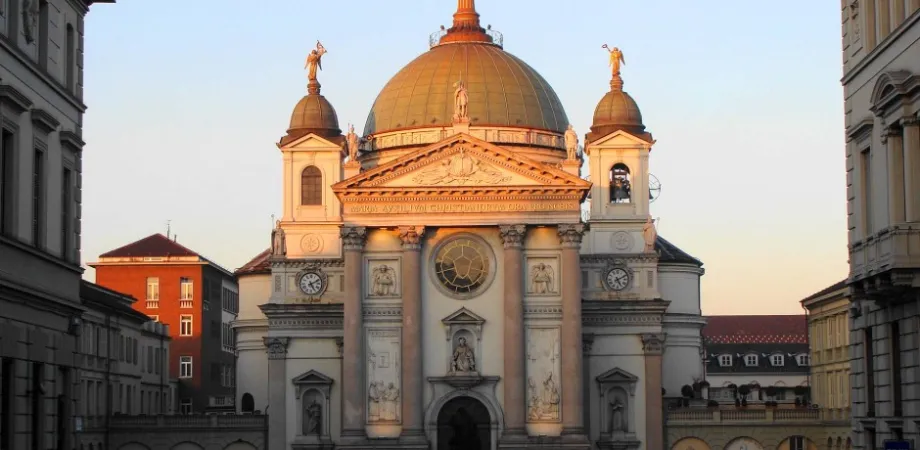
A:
{"x":248,"y":404}
{"x":311,"y":186}
{"x":620,"y":184}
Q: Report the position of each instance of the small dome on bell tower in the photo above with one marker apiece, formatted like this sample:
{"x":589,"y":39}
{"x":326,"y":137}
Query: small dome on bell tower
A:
{"x":617,"y":110}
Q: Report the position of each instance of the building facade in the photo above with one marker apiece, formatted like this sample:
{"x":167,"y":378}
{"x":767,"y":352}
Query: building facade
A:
{"x":881,"y":65}
{"x":829,"y":339}
{"x":759,"y":352}
{"x":198,"y":299}
{"x":124,"y":368}
{"x":433,"y":284}
{"x":41,"y":117}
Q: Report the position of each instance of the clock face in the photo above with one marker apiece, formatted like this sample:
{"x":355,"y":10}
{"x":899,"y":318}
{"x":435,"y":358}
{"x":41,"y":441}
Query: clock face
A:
{"x":311,"y":283}
{"x":617,"y":279}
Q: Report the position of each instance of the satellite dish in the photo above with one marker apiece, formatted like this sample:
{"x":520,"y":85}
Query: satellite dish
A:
{"x":654,"y":188}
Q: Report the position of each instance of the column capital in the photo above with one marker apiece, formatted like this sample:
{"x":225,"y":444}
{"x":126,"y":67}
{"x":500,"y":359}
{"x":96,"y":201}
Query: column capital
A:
{"x":653,"y":343}
{"x":910,"y":121}
{"x":587,"y":342}
{"x":353,"y":238}
{"x":411,"y":236}
{"x":512,"y":235}
{"x":570,"y":234}
{"x":276,"y":347}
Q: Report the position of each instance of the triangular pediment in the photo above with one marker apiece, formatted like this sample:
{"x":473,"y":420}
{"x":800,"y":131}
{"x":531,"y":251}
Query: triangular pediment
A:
{"x":462,"y":161}
{"x":463,"y":316}
{"x":621,"y":139}
{"x":312,"y":378}
{"x":617,"y":375}
{"x":311,"y":141}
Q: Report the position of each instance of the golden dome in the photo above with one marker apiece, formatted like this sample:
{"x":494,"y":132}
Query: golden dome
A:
{"x":313,"y":114}
{"x":617,"y":111}
{"x":503,"y":90}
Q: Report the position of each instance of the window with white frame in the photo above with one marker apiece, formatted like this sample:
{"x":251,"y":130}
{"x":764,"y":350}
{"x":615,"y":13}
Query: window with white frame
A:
{"x":750,"y":360}
{"x":725,"y":360}
{"x":185,"y":325}
{"x":186,"y":289}
{"x":185,"y":407}
{"x":153,"y":288}
{"x":801,"y":359}
{"x":777,"y":360}
{"x":185,"y":367}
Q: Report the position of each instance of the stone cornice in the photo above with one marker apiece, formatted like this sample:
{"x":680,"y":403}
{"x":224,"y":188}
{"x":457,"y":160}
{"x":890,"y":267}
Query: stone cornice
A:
{"x":545,"y":312}
{"x":860,"y":130}
{"x":628,"y":312}
{"x":612,"y":258}
{"x":14,"y":50}
{"x":12,"y":97}
{"x":71,"y":140}
{"x":44,"y":121}
{"x":306,"y":263}
{"x":315,"y":315}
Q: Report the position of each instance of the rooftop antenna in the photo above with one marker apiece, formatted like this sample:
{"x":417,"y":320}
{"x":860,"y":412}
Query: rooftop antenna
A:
{"x":168,"y":222}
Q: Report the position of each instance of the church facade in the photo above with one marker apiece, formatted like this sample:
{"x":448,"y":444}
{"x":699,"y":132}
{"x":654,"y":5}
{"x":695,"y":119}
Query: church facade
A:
{"x":435,"y":282}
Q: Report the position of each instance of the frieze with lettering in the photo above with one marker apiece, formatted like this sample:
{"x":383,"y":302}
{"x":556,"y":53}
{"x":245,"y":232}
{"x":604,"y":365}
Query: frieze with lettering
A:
{"x":442,"y":208}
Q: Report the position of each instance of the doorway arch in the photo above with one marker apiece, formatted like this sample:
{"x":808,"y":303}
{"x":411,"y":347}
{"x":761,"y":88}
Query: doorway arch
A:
{"x":464,"y":423}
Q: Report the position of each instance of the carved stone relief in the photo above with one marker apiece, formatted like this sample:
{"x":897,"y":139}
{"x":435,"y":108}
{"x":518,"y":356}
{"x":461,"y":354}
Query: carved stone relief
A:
{"x":460,"y":169}
{"x":543,"y":276}
{"x":622,"y":241}
{"x":311,"y":244}
{"x":383,"y":278}
{"x":384,"y":400}
{"x":544,"y":393}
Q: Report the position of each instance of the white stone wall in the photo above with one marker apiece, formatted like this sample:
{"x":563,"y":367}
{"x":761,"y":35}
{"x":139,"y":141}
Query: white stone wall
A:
{"x":251,"y":327}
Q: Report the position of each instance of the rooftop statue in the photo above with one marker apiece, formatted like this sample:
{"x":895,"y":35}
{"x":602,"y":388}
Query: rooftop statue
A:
{"x":616,"y":58}
{"x":314,"y":61}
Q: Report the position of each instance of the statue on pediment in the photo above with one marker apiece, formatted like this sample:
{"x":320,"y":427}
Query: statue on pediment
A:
{"x":351,"y":141}
{"x":571,"y":144}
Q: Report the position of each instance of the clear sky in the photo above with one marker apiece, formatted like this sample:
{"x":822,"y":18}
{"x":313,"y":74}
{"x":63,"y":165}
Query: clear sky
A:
{"x":188,"y":98}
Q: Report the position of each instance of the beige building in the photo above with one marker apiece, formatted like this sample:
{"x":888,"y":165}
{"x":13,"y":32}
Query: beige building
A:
{"x":124,"y":367}
{"x":881,"y":65}
{"x":829,"y":339}
{"x":432,"y":284}
{"x":41,"y":114}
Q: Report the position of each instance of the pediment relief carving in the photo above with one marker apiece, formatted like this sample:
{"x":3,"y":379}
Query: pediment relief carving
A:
{"x":461,"y":161}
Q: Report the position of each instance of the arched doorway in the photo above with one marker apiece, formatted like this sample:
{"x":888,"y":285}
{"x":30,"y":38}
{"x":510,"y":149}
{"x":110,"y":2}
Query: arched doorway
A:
{"x":248,"y":405}
{"x":464,"y":424}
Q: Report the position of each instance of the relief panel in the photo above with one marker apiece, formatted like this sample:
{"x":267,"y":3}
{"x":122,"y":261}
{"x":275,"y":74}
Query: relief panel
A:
{"x":384,"y":399}
{"x":383,"y":278}
{"x":542,"y":276}
{"x":544,"y":394}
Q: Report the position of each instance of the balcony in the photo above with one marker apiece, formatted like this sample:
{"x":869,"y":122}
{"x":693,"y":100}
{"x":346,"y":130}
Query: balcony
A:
{"x":186,"y":303}
{"x":153,"y":304}
{"x":883,"y":266}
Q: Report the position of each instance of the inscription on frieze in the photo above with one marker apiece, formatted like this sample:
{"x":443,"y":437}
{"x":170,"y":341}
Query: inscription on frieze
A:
{"x":442,"y":208}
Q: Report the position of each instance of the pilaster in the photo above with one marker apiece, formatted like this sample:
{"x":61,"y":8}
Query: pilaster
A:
{"x":653,"y":346}
{"x":353,"y":382}
{"x":911,"y":145}
{"x":413,"y":384}
{"x":894,"y":143}
{"x":277,"y":391}
{"x":570,"y":237}
{"x":514,"y":375}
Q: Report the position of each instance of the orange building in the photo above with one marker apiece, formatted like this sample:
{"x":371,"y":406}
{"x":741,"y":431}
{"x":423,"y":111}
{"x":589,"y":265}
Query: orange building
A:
{"x":197,"y":298}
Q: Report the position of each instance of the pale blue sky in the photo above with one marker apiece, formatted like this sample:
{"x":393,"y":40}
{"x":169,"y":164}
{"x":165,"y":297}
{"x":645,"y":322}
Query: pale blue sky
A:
{"x":187,"y":99}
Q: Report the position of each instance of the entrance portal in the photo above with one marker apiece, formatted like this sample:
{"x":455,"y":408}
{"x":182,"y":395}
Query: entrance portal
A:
{"x":464,"y":424}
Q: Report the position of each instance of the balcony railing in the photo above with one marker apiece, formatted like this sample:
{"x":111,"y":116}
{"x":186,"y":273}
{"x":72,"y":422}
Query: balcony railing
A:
{"x":153,"y":304}
{"x":190,"y":421}
{"x":186,"y":303}
{"x":701,"y":416}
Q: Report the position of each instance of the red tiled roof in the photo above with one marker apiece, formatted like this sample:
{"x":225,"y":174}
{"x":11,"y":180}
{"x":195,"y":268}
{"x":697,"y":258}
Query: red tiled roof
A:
{"x":773,"y":329}
{"x":153,"y":245}
{"x":260,"y":264}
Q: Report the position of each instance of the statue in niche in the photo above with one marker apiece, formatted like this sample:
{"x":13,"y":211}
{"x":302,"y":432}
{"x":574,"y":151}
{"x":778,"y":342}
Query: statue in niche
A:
{"x":617,"y":416}
{"x":541,"y":276}
{"x":312,"y":419}
{"x":461,"y":99}
{"x":571,"y":143}
{"x":314,"y":61}
{"x":616,"y":59}
{"x":384,"y":280}
{"x":351,"y":141}
{"x":464,"y":360}
{"x":650,"y":234}
{"x":375,"y":395}
{"x":279,"y":244}
{"x":466,"y":436}
{"x":30,"y":13}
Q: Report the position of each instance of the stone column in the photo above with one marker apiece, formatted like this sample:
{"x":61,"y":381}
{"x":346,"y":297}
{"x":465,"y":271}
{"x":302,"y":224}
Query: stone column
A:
{"x":353,"y":384}
{"x":570,"y":236}
{"x":892,"y":139}
{"x":277,"y":391}
{"x":911,"y":145}
{"x":515,"y":398}
{"x":653,"y":345}
{"x":413,"y":384}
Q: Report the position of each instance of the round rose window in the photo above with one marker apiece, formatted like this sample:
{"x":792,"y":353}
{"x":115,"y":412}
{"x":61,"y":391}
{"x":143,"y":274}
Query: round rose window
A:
{"x":463,"y":266}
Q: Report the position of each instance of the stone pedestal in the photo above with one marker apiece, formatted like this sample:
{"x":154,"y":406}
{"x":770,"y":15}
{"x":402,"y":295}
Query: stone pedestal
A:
{"x":572,"y":166}
{"x":351,"y":169}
